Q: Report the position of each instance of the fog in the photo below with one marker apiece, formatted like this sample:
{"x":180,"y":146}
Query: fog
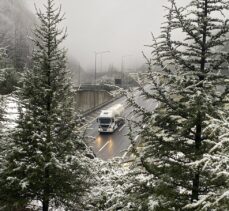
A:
{"x":122,"y":27}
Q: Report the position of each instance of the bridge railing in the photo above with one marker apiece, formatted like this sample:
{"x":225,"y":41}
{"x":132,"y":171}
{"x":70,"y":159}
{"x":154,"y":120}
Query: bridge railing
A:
{"x":96,"y":87}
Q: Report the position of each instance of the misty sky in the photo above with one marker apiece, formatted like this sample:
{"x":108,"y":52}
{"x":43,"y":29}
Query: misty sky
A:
{"x":122,"y":27}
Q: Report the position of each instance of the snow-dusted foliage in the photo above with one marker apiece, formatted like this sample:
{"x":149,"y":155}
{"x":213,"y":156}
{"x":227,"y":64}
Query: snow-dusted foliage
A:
{"x":7,"y":73}
{"x":46,"y":161}
{"x":113,"y":180}
{"x":2,"y":70}
{"x":5,"y":67}
{"x":216,"y":161}
{"x":115,"y":187}
{"x":108,"y":189}
{"x":1,"y":104}
{"x":184,"y":142}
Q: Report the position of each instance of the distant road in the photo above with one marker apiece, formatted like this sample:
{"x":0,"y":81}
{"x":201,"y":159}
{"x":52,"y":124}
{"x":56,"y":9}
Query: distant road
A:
{"x":108,"y":146}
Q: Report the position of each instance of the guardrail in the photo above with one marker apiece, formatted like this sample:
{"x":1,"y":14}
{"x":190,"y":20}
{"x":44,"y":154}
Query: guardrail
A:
{"x":95,"y":87}
{"x":101,"y":105}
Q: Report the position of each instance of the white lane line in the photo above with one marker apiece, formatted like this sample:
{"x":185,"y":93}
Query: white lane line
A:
{"x":124,"y":155}
{"x":93,"y":120}
{"x":128,"y":149}
{"x":104,"y":146}
{"x":135,"y":139}
{"x":122,"y":127}
{"x":88,"y":123}
{"x":91,"y":117}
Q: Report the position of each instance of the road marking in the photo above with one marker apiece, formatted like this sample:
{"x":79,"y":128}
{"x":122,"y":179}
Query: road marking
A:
{"x":104,"y":146}
{"x":94,"y":120}
{"x":91,"y":117}
{"x":87,"y":124}
{"x":135,"y":139}
{"x":122,"y":127}
{"x":124,"y":155}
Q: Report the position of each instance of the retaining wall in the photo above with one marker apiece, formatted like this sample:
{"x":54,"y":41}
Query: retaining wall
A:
{"x":87,"y":100}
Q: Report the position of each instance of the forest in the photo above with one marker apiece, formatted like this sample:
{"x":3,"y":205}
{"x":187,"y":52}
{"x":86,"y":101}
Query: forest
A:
{"x":180,"y":160}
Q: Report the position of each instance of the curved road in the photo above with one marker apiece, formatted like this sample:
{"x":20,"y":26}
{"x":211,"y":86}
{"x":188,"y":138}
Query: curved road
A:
{"x":108,"y":146}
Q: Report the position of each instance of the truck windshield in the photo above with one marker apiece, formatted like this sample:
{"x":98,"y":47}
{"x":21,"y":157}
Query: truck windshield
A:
{"x":104,"y":120}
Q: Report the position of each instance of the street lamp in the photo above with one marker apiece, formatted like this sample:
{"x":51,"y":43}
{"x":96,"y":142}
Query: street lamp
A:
{"x":122,"y":65}
{"x":96,"y":54}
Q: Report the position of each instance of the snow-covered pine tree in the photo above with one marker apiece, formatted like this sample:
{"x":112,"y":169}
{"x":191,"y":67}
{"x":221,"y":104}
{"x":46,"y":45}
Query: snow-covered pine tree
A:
{"x":2,"y":68}
{"x":115,"y":187}
{"x":106,"y":193}
{"x":46,"y":162}
{"x":5,"y":68}
{"x":187,"y":158}
{"x":1,"y":79}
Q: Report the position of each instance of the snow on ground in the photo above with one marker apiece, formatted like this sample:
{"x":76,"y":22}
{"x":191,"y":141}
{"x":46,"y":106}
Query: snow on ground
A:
{"x":11,"y":111}
{"x":37,"y":205}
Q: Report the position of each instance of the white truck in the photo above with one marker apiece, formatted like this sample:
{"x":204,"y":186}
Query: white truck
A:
{"x":109,"y":120}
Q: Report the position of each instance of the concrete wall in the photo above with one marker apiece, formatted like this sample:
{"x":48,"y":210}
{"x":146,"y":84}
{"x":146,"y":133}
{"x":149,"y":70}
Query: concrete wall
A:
{"x":86,"y":100}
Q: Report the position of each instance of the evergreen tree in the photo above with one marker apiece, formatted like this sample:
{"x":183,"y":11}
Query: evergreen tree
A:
{"x":1,"y":104}
{"x":46,"y":161}
{"x":107,"y":191}
{"x":115,"y":187}
{"x":5,"y":68}
{"x":1,"y":78}
{"x":183,"y":151}
{"x":8,"y":75}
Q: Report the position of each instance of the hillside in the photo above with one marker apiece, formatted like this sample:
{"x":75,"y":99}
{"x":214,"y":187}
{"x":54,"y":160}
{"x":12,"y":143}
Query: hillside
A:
{"x":15,"y":27}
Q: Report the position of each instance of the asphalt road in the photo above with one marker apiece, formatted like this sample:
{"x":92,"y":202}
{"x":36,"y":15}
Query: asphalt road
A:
{"x":108,"y":146}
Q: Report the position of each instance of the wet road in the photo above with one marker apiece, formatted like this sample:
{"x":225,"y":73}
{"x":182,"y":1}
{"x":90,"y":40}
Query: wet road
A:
{"x":110,"y":145}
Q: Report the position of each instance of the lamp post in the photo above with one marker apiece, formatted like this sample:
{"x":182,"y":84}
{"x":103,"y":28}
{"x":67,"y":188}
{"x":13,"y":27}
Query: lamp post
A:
{"x":79,"y":79}
{"x":122,"y":66}
{"x":95,"y":76}
{"x":96,"y":54}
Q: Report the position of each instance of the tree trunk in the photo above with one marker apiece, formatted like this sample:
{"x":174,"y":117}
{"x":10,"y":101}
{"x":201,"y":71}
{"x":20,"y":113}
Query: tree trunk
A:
{"x":195,"y":188}
{"x":198,"y":135}
{"x":195,"y":181}
{"x":46,"y":191}
{"x":45,"y":204}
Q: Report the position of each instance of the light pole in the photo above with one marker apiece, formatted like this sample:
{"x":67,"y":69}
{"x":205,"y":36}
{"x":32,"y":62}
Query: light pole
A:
{"x":96,"y":54}
{"x":79,"y":79}
{"x":122,"y":66}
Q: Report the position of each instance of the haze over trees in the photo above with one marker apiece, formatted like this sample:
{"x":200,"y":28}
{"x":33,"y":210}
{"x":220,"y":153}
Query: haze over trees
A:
{"x":16,"y":23}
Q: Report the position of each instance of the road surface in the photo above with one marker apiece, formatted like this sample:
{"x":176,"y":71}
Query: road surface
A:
{"x":108,"y":146}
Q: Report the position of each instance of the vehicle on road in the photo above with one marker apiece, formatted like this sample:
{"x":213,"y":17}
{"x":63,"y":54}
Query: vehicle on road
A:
{"x":109,"y":120}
